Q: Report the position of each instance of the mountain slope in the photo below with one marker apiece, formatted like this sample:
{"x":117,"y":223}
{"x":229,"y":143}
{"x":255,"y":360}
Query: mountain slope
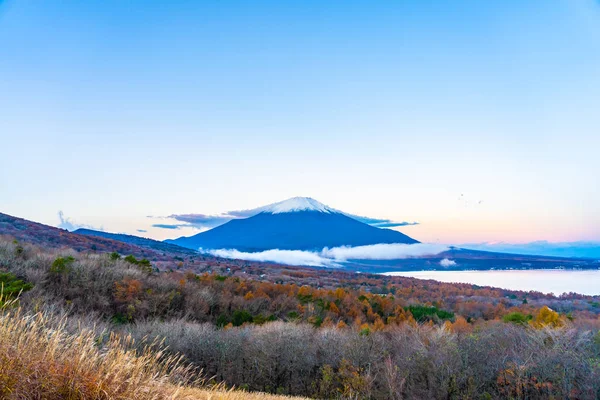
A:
{"x":295,"y":224}
{"x":49,"y":236}
{"x":136,"y":240}
{"x":162,"y":254}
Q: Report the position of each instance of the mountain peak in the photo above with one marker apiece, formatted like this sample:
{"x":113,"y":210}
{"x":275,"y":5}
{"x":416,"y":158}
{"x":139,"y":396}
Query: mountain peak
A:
{"x":296,"y":204}
{"x":299,"y":223}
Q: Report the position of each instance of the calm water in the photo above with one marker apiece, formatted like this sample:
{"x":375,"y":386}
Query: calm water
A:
{"x":545,"y":281}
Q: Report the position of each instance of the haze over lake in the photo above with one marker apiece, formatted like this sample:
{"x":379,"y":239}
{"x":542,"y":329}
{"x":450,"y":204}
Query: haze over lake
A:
{"x":545,"y":281}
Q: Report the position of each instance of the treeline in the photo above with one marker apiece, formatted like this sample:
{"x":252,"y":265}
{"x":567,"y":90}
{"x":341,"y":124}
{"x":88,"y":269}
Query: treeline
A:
{"x":370,"y":337}
{"x":408,"y":361}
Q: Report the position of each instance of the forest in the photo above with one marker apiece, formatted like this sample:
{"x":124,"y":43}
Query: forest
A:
{"x":321,"y":334}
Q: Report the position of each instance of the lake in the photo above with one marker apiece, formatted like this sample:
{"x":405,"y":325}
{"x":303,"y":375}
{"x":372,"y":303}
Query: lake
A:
{"x":545,"y":281}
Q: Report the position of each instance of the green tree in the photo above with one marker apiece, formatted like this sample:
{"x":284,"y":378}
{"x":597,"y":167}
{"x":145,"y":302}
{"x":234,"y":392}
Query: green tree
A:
{"x":516,"y":318}
{"x":131,"y":259}
{"x":62,"y":265}
{"x":11,"y":286}
{"x":240,"y":317}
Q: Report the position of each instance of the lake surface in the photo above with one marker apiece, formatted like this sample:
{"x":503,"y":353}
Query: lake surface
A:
{"x":545,"y":281}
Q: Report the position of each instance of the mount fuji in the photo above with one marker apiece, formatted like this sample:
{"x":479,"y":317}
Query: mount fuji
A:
{"x":299,"y":223}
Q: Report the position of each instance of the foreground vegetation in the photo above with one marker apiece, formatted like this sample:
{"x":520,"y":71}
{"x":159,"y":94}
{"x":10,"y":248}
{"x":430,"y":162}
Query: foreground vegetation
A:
{"x":370,"y":337}
{"x":41,"y":359}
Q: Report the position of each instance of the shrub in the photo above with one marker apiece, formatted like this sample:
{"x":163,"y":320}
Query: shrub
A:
{"x":131,"y":259}
{"x":422,"y":313}
{"x":547,"y":317}
{"x":240,"y":317}
{"x":11,"y":286}
{"x":261,"y":319}
{"x":144,"y":264}
{"x":222,"y":320}
{"x":516,"y":318}
{"x":62,"y":265}
{"x":293,"y":315}
{"x":364,"y":330}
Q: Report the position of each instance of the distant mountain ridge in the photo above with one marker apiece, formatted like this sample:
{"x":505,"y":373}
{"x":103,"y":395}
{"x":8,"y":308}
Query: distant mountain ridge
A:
{"x":300,"y":223}
{"x":136,"y":240}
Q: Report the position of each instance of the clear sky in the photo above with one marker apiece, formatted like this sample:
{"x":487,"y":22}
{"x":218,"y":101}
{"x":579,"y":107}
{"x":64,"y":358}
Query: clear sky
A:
{"x":479,"y":119}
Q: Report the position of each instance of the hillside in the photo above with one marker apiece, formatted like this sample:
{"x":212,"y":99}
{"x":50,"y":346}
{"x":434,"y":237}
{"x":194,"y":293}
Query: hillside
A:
{"x":296,"y":331}
{"x":137,"y":241}
{"x":162,"y":255}
{"x":48,"y":236}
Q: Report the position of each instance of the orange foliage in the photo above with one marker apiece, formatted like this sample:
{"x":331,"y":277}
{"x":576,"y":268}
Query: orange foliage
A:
{"x":127,"y":290}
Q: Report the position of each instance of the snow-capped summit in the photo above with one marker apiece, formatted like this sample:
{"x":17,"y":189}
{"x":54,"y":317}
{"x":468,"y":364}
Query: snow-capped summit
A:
{"x":297,"y":204}
{"x":299,"y":223}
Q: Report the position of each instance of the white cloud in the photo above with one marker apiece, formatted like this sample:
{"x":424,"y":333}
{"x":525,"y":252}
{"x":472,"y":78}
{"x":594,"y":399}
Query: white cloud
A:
{"x":447,"y":263}
{"x":383,"y":251}
{"x":70,"y":225}
{"x":289,"y":257}
{"x":332,"y":257}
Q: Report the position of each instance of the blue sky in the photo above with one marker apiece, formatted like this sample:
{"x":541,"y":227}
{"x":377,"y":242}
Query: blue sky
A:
{"x":478,"y":119}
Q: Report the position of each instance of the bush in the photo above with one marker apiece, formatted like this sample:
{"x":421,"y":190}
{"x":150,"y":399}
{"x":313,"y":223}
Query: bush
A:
{"x":131,"y":259}
{"x":261,"y":319}
{"x":222,"y":320}
{"x":516,"y":318}
{"x":143,"y":264}
{"x":62,"y":265}
{"x":422,"y":313}
{"x":11,"y":286}
{"x":240,"y":317}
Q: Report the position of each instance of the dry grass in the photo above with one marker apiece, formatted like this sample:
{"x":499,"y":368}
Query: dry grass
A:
{"x":200,"y":394}
{"x":39,"y":359}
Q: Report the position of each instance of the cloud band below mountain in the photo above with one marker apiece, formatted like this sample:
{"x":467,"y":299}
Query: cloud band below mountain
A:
{"x":334,"y":256}
{"x":288,"y":257}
